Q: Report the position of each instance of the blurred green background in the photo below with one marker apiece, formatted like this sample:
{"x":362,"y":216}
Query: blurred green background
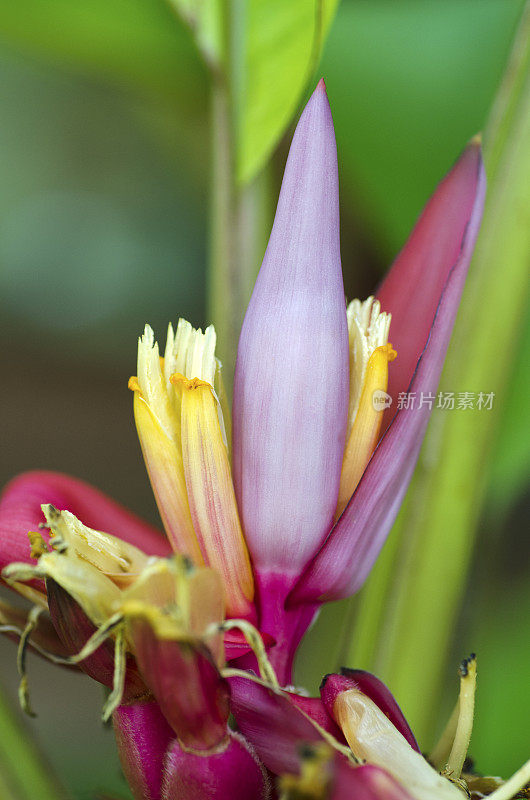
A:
{"x":104,"y":165}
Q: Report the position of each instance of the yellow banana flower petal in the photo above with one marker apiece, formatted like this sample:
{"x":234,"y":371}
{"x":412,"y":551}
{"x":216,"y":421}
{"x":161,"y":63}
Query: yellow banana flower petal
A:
{"x":183,"y":601}
{"x":163,"y":460}
{"x":368,"y":328}
{"x":211,"y":492}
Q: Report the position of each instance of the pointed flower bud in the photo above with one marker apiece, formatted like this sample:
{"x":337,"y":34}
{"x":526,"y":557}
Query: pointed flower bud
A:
{"x":422,"y":291}
{"x":291,"y":380}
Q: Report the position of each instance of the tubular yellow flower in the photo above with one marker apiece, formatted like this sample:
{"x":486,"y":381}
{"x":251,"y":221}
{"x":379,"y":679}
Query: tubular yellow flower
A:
{"x":211,"y":492}
{"x":370,"y":354}
{"x":157,"y":419}
{"x":181,"y":426}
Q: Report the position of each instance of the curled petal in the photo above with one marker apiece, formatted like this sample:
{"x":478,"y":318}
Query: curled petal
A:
{"x":373,"y":688}
{"x":20,"y":512}
{"x":291,"y":380}
{"x":143,"y":736}
{"x":121,"y":561}
{"x":274,"y":725}
{"x":348,"y":554}
{"x":91,"y":589}
{"x":181,"y":602}
{"x":374,"y":739}
{"x":232,"y":772}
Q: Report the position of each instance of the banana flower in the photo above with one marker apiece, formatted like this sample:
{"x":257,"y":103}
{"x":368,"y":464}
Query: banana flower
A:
{"x":288,"y":512}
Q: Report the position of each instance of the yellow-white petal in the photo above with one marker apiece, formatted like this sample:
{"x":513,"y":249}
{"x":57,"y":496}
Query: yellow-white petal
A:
{"x":118,"y":559}
{"x":373,"y":738}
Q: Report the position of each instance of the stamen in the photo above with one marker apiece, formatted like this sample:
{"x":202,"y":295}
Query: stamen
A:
{"x":515,"y":784}
{"x":55,"y":658}
{"x":35,"y":596}
{"x":368,"y":329}
{"x":440,"y":753}
{"x":23,"y":689}
{"x":255,"y":642}
{"x":95,"y":641}
{"x":115,"y":697}
{"x":370,"y":354}
{"x":19,"y":572}
{"x":466,"y":708}
{"x":113,"y":625}
{"x":190,"y":352}
{"x":37,"y":544}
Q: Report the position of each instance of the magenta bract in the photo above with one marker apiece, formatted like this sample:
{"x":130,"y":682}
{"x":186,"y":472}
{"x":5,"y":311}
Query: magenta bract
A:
{"x":233,"y":772}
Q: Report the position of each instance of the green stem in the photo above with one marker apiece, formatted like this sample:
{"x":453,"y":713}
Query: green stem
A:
{"x":23,"y":774}
{"x":240,"y":215}
{"x":406,"y":615}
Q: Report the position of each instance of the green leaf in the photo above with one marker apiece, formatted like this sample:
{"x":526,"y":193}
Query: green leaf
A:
{"x":431,"y":546}
{"x":139,"y":44}
{"x":500,"y":636}
{"x":510,"y":465}
{"x":283,"y":42}
{"x":23,"y":773}
{"x":204,"y":19}
{"x":410,"y":82}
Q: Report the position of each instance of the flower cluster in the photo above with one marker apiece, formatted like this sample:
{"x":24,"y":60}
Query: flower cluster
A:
{"x":195,"y":631}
